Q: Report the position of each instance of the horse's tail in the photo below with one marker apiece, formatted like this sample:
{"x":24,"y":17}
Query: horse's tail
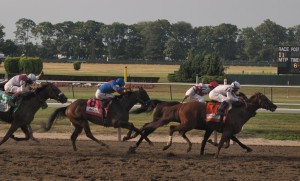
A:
{"x":58,"y":113}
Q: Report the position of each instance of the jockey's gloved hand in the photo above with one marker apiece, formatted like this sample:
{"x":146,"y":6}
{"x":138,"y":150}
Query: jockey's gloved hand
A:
{"x":28,"y":81}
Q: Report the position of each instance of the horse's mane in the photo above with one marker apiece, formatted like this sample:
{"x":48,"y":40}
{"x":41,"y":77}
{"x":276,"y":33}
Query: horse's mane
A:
{"x":121,"y":96}
{"x":242,"y":95}
{"x":255,"y":96}
{"x":35,"y":91}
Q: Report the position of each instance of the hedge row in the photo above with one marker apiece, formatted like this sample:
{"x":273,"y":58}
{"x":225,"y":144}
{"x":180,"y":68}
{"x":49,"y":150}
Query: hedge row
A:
{"x":16,"y":65}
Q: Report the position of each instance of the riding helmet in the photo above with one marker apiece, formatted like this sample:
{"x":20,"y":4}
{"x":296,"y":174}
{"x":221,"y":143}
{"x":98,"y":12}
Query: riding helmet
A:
{"x":120,"y":81}
{"x":213,"y":84}
{"x":235,"y":85}
{"x":32,"y":77}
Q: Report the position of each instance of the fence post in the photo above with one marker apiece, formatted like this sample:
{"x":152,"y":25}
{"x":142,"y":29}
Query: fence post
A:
{"x":215,"y":132}
{"x":125,"y":79}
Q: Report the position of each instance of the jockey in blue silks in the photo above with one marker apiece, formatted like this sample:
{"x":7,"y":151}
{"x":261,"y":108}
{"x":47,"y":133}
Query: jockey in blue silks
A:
{"x":105,"y":91}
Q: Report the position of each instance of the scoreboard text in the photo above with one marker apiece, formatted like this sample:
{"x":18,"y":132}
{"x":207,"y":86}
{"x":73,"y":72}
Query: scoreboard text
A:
{"x":288,"y":60}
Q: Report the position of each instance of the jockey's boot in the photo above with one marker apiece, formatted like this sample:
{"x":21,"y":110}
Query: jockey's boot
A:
{"x":221,"y":111}
{"x":12,"y":102}
{"x":223,"y":106}
{"x":105,"y":103}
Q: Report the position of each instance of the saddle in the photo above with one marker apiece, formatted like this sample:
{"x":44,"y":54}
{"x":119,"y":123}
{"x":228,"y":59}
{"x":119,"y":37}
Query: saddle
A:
{"x":99,"y":108}
{"x":4,"y":99}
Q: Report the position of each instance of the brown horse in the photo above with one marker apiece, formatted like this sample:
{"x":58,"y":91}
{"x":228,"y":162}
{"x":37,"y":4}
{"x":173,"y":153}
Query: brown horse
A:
{"x":22,"y":116}
{"x":192,"y":115}
{"x":118,"y":115}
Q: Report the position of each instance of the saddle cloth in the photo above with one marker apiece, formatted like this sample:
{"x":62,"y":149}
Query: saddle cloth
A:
{"x":211,"y":110}
{"x":4,"y":98}
{"x":94,"y":107}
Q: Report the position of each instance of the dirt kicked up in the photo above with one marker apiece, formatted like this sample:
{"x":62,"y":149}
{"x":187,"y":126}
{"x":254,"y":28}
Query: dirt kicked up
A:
{"x":56,"y":160}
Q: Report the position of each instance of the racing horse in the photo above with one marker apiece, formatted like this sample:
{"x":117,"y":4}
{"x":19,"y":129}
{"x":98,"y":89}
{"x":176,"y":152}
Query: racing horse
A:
{"x":192,"y":115}
{"x":117,"y":116}
{"x":22,"y":115}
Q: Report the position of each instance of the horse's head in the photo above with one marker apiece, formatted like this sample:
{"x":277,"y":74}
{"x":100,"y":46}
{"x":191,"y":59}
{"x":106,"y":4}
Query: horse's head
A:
{"x":52,"y":92}
{"x":143,"y":97}
{"x":262,"y":101}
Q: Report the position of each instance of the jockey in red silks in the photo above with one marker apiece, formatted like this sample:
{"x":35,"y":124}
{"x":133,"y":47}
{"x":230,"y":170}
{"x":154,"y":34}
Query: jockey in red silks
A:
{"x":198,"y":91}
{"x":20,"y":84}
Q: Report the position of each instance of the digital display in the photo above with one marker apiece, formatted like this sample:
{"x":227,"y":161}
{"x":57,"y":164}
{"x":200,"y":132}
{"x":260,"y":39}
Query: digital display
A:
{"x":288,"y":60}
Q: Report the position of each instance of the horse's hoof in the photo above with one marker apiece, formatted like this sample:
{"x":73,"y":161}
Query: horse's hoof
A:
{"x":249,"y":150}
{"x":166,"y":147}
{"x":125,"y":138}
{"x":189,"y":149}
{"x":131,"y":150}
{"x":151,"y":144}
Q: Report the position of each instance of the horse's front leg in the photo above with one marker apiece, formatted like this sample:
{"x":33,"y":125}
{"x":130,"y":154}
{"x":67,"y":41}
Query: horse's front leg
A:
{"x":90,"y":135}
{"x":131,"y":127}
{"x":138,"y":133}
{"x":248,"y":149}
{"x":225,"y":137}
{"x":26,"y":131}
{"x":187,"y":140}
{"x":205,"y":138}
{"x":171,"y":131}
{"x":9,"y":133}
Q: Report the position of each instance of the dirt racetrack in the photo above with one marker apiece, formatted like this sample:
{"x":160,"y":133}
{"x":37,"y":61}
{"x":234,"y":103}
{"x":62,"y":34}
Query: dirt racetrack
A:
{"x":54,"y":159}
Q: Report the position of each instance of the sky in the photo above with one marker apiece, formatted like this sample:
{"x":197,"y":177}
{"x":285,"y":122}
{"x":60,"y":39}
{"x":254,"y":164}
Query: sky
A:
{"x":242,"y":13}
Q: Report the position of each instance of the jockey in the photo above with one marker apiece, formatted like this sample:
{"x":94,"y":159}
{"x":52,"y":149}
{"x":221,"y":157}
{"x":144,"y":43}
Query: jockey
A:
{"x":226,"y":95}
{"x":198,"y":91}
{"x":105,"y":91}
{"x":20,"y":84}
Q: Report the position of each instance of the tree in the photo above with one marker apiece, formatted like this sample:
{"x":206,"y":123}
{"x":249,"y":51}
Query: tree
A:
{"x":225,"y":36}
{"x":65,"y":40}
{"x":179,"y":42}
{"x":204,"y":40}
{"x":251,"y":43}
{"x":114,"y":39}
{"x":2,"y":33}
{"x":174,"y":50}
{"x":212,"y":65}
{"x":271,"y":36}
{"x":46,"y":32}
{"x":90,"y":41}
{"x":24,"y":32}
{"x":134,"y":46}
{"x":155,"y":36}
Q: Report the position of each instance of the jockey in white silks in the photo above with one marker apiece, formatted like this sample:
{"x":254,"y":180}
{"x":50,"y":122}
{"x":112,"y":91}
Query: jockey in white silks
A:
{"x":226,"y":95}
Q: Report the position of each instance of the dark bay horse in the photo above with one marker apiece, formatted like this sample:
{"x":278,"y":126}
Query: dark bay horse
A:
{"x":22,"y":116}
{"x":118,"y":115}
{"x":192,"y":115}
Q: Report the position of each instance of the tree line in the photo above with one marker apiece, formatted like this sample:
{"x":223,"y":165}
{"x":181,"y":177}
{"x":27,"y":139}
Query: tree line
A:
{"x":154,"y":41}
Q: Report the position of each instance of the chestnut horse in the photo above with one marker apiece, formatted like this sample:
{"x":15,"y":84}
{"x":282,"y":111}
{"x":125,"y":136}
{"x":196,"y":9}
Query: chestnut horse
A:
{"x":118,"y":115}
{"x":23,"y":114}
{"x":192,"y":115}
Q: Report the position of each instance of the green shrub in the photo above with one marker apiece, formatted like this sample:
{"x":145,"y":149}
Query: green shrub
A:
{"x":16,"y":65}
{"x":30,"y":65}
{"x":11,"y":65}
{"x":208,"y":67}
{"x":76,"y":65}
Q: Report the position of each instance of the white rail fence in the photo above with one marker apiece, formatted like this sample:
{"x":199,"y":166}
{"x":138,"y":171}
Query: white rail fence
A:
{"x":270,"y":87}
